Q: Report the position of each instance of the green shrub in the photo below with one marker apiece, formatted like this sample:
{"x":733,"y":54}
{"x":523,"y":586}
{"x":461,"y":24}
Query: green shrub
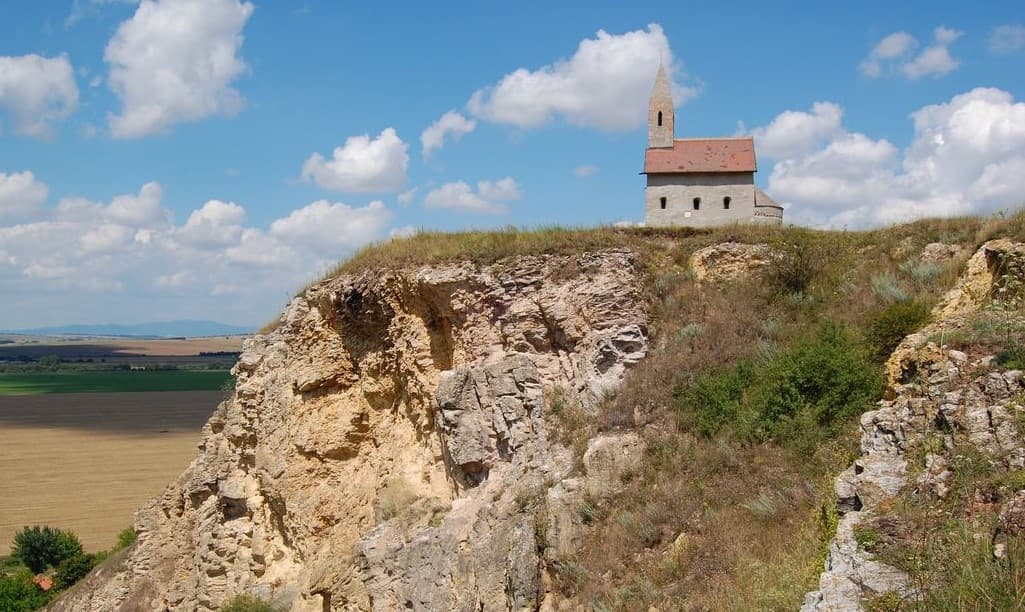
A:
{"x":714,"y":401}
{"x":42,"y":547}
{"x":247,"y":603}
{"x":1012,"y":358}
{"x":71,"y":570}
{"x":126,"y":538}
{"x":798,"y":258}
{"x":794,"y":396}
{"x":19,"y":594}
{"x":887,"y":327}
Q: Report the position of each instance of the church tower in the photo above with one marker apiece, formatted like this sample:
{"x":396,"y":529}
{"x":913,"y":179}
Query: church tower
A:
{"x":660,"y":113}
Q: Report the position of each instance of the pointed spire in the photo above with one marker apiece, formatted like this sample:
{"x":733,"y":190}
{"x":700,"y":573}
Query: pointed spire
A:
{"x":661,"y":118}
{"x":661,"y":91}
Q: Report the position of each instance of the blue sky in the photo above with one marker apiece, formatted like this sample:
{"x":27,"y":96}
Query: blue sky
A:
{"x":205,"y":158}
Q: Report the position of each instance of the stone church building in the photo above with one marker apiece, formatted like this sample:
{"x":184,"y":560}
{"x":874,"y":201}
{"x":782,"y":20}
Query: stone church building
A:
{"x":699,"y":181}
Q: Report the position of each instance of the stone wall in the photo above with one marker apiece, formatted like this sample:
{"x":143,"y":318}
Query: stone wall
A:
{"x":681,"y":189}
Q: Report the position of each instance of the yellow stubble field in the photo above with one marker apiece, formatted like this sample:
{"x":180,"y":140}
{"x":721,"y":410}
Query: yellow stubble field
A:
{"x":87,"y":461}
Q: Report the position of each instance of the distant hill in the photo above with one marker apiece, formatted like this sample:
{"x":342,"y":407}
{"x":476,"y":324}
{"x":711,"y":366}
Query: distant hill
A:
{"x":155,"y":329}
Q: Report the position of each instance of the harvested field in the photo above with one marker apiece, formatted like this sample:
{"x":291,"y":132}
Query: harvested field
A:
{"x":112,"y":381}
{"x":86,"y":462}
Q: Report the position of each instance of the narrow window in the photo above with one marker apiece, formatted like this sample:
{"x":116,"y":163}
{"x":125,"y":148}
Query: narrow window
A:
{"x":726,"y":202}
{"x":659,"y":118}
{"x":697,"y":203}
{"x":662,"y":201}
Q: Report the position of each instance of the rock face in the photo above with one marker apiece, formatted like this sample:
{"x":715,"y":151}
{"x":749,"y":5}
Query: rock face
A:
{"x":390,"y":446}
{"x":728,"y":261}
{"x":932,"y":392}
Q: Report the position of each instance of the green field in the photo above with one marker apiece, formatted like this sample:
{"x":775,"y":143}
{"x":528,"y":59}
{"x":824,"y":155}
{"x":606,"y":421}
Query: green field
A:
{"x":31,"y":383}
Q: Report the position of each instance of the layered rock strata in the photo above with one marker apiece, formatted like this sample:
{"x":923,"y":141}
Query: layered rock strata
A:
{"x":390,"y":445}
{"x":961,"y":400}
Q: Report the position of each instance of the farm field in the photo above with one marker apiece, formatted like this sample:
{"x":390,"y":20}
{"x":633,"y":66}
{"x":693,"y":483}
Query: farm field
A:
{"x":92,"y":381}
{"x":87,"y":461}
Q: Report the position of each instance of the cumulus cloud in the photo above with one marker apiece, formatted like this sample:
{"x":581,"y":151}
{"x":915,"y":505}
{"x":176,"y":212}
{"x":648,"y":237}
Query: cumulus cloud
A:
{"x":362,"y":165}
{"x":20,"y":194}
{"x":967,"y":156}
{"x":37,"y":92}
{"x":213,"y":225}
{"x":894,"y":54}
{"x":1004,"y":39}
{"x":131,"y":245}
{"x":174,"y":62}
{"x":452,"y":124}
{"x":794,"y":132}
{"x":605,"y":84}
{"x":487,"y":198}
{"x":332,"y":228}
{"x":80,"y":9}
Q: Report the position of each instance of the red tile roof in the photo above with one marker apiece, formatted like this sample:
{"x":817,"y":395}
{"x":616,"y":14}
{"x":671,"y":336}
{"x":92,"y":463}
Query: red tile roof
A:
{"x":702,"y":155}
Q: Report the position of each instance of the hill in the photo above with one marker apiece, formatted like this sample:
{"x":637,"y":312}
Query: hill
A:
{"x":616,"y":419}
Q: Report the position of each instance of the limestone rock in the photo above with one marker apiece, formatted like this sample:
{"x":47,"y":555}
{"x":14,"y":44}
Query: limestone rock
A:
{"x":939,"y":253}
{"x":387,"y":446}
{"x":728,"y":261}
{"x":934,"y":392}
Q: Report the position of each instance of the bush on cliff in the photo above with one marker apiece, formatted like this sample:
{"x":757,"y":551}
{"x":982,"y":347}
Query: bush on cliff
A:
{"x":41,"y":547}
{"x":792,"y":396}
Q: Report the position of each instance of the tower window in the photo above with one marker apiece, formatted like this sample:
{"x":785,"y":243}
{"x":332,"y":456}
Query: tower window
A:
{"x":662,"y":201}
{"x":697,"y":203}
{"x":726,"y":202}
{"x":659,"y":118}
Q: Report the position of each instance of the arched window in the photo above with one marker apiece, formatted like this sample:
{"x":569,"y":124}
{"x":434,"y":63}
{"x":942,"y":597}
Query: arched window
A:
{"x":659,"y":118}
{"x":697,"y":203}
{"x":663,"y":201}
{"x":726,"y":202}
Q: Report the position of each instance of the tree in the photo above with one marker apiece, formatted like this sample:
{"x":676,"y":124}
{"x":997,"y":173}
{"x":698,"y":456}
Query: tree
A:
{"x":19,"y":594}
{"x":40,"y":547}
{"x":73,"y":569}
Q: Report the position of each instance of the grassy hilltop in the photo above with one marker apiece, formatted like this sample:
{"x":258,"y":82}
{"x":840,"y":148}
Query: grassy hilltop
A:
{"x":748,"y":401}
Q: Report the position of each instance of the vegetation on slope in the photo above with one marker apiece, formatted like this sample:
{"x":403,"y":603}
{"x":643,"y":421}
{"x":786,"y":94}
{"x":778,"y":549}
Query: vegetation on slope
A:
{"x":747,"y":402}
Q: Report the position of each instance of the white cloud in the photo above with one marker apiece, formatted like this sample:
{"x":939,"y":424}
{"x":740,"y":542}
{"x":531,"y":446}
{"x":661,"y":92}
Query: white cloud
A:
{"x":1004,"y":39}
{"x":487,"y":198}
{"x":404,"y":231}
{"x":142,"y":210}
{"x":174,"y":62}
{"x":332,"y":229}
{"x":83,"y":8}
{"x":967,"y":156}
{"x":894,"y":55}
{"x":130,"y":245}
{"x":892,"y":46}
{"x":20,"y":194}
{"x":37,"y":92}
{"x":452,"y":124}
{"x":215,"y":224}
{"x":585,"y":171}
{"x":407,"y":196}
{"x":605,"y":84}
{"x":362,"y":165}
{"x":792,"y":133}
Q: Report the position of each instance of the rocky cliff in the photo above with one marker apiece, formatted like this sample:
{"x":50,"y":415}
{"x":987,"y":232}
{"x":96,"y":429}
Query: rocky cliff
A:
{"x":390,"y":445}
{"x":944,"y":409}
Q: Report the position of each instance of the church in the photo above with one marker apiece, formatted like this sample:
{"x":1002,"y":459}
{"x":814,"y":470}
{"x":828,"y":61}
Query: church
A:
{"x":699,"y":182}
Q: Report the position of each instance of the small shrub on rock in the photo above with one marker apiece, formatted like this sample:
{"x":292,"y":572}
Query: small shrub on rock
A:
{"x":887,"y":327}
{"x":247,"y":603}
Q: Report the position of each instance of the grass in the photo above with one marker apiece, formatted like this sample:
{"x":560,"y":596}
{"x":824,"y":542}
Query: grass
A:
{"x":31,"y":383}
{"x":733,"y":506}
